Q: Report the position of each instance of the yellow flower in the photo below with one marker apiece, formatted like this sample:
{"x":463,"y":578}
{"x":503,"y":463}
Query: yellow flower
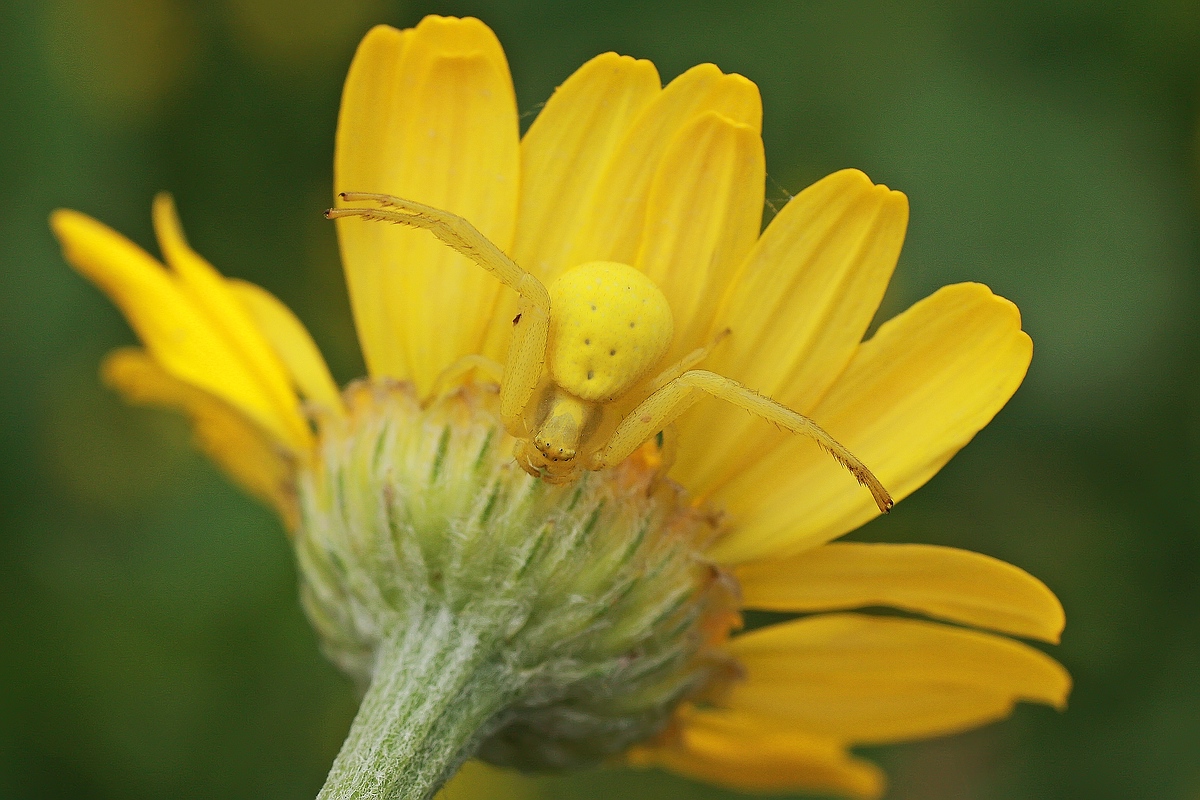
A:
{"x":670,"y":181}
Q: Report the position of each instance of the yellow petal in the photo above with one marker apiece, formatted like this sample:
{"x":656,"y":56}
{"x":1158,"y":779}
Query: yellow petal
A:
{"x":910,"y":399}
{"x":368,"y":135}
{"x":703,"y":215}
{"x":616,"y":212}
{"x":210,"y":294}
{"x":179,"y":336}
{"x":943,"y":582}
{"x":863,"y":679}
{"x":753,"y":754}
{"x":429,"y":115}
{"x":562,"y":157}
{"x":566,"y":148}
{"x":796,"y":314}
{"x":242,"y":449}
{"x":293,"y":344}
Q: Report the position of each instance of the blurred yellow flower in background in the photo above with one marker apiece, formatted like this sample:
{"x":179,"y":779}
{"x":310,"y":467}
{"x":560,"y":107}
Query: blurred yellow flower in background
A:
{"x":669,"y":180}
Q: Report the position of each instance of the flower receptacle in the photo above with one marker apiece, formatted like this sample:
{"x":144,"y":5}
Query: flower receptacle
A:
{"x":579,"y":615}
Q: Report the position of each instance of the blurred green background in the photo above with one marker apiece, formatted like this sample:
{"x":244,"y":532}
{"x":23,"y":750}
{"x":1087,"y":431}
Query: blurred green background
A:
{"x":151,"y":644}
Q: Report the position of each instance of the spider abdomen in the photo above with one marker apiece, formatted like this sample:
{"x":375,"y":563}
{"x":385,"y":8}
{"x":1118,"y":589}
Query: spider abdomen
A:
{"x":609,"y":326}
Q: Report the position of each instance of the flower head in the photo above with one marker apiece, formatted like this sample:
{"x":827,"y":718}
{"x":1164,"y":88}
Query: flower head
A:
{"x":589,"y":614}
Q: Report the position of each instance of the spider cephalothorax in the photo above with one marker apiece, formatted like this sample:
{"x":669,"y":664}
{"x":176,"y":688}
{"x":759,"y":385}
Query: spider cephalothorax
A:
{"x":583,"y":347}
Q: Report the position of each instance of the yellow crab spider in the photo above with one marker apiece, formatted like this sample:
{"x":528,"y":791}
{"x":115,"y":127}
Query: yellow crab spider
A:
{"x":598,"y":332}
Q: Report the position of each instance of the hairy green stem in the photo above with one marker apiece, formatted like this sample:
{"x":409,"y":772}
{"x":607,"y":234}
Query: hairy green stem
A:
{"x":435,"y":693}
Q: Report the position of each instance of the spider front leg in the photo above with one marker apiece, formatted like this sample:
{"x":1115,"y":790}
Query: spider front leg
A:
{"x":687,"y":362}
{"x":664,"y":405}
{"x":531,"y":326}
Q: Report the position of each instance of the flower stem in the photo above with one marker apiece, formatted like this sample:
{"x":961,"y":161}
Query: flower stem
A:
{"x":435,"y":693}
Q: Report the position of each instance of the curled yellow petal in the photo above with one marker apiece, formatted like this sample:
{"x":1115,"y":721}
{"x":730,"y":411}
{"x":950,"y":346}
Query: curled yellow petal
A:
{"x":210,"y":294}
{"x":943,"y":582}
{"x":796,"y":313}
{"x":181,"y":337}
{"x":241,"y":448}
{"x":565,"y":150}
{"x":911,"y":397}
{"x":754,"y":754}
{"x":703,"y":215}
{"x":617,"y":210}
{"x":428,"y":115}
{"x":562,"y":157}
{"x":865,"y":679}
{"x":293,"y":344}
